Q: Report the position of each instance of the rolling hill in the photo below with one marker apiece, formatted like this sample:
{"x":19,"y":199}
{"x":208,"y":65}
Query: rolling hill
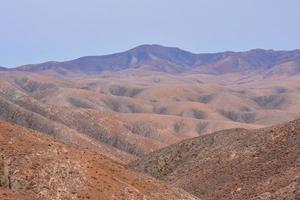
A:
{"x":136,"y":116}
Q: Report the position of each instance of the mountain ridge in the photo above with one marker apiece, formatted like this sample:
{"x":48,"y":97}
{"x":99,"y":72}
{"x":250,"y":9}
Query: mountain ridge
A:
{"x":168,"y":59}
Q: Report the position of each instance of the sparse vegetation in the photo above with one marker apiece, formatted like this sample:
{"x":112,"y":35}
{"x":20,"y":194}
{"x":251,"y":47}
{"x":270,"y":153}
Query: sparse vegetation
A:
{"x":160,"y":110}
{"x":280,"y":89}
{"x":119,"y":90}
{"x":80,"y":103}
{"x":179,"y":126}
{"x":200,"y":128}
{"x":142,"y":128}
{"x":270,"y":102}
{"x":246,"y":117}
{"x":205,"y":98}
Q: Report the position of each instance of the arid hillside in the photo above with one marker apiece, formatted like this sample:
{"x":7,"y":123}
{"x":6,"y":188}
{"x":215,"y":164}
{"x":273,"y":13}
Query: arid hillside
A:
{"x":236,"y":164}
{"x":129,"y":113}
{"x":107,"y":111}
{"x":35,"y":166}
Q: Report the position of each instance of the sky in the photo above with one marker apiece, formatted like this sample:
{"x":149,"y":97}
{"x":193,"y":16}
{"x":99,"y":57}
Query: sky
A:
{"x":34,"y":31}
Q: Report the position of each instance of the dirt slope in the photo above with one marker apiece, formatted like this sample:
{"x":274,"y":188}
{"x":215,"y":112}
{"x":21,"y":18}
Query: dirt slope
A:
{"x":35,"y":166}
{"x":233,"y":164}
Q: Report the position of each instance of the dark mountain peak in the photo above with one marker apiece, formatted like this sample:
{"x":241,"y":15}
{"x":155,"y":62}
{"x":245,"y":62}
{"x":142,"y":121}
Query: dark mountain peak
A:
{"x":168,"y":54}
{"x":156,"y":48}
{"x":149,"y":47}
{"x":159,"y":50}
{"x":259,"y":50}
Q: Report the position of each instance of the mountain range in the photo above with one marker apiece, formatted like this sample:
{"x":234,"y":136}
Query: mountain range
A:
{"x":174,"y":60}
{"x":203,"y":123}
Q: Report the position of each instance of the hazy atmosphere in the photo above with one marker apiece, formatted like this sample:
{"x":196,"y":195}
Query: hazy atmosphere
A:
{"x":35,"y":31}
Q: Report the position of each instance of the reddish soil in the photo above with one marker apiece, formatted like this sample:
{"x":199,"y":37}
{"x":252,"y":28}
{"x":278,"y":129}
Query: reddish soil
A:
{"x":32,"y":164}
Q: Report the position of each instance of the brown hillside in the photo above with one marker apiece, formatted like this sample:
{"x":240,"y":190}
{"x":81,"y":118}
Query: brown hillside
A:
{"x":35,"y":166}
{"x":233,"y":164}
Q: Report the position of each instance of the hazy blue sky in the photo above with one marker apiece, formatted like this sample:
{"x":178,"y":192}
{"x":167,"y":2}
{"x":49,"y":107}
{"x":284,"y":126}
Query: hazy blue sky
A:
{"x":33,"y":31}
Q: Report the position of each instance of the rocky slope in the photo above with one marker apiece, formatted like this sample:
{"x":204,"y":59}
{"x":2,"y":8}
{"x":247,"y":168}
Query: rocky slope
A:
{"x":233,"y":164}
{"x":35,"y":166}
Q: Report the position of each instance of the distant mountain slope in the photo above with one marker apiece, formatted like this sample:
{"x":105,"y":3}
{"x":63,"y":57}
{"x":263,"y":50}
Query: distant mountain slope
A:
{"x":153,"y":57}
{"x":233,"y":164}
{"x":170,"y":60}
{"x":3,"y":68}
{"x":35,"y":166}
